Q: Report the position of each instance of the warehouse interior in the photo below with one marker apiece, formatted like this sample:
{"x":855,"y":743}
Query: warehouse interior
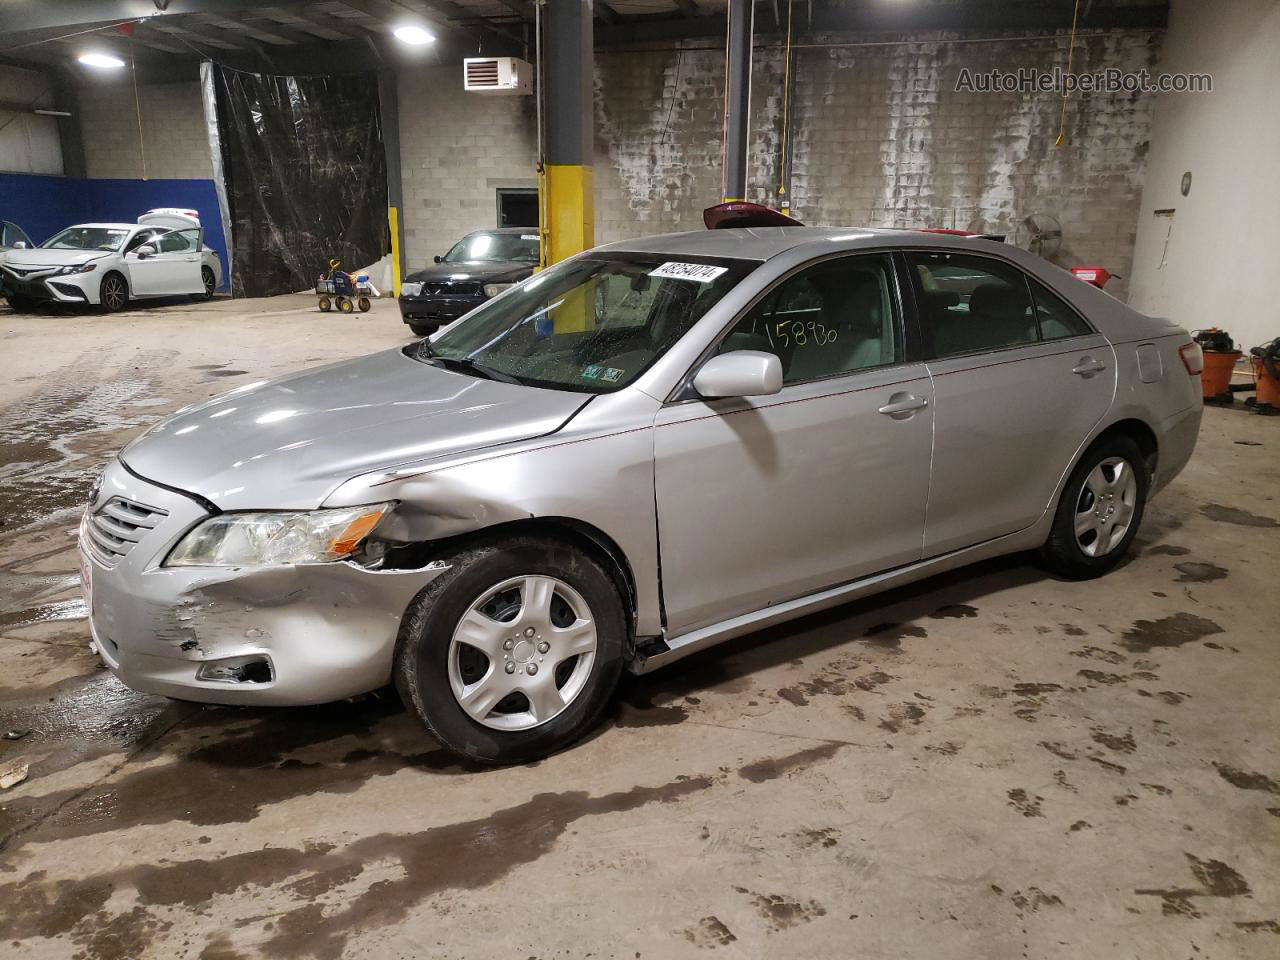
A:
{"x":993,"y":761}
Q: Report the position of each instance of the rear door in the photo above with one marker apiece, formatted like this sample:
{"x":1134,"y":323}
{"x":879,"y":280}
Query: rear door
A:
{"x":765,"y":499}
{"x":1020,"y":380}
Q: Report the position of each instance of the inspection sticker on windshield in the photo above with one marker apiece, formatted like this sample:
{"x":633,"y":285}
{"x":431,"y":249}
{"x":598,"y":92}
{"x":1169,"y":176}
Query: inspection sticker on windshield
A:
{"x":697,"y":272}
{"x":528,"y":236}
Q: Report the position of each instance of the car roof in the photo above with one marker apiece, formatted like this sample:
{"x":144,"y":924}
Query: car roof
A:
{"x":108,"y":226}
{"x":508,"y":230}
{"x":763,"y":243}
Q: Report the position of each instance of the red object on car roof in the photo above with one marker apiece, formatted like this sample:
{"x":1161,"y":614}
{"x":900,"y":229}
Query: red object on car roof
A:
{"x":1098,"y":276}
{"x":724,"y":216}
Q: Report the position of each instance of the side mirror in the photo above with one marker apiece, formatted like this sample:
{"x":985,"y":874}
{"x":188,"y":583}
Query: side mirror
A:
{"x":439,"y":259}
{"x":146,"y":250}
{"x":742,"y":373}
{"x":20,"y":245}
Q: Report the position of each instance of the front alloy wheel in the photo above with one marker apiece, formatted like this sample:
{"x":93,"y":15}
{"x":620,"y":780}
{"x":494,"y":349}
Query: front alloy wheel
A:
{"x":114,"y":294}
{"x":522,"y":654}
{"x":514,"y":650}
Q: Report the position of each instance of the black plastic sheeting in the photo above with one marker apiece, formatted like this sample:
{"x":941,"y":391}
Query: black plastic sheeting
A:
{"x":306,"y":177}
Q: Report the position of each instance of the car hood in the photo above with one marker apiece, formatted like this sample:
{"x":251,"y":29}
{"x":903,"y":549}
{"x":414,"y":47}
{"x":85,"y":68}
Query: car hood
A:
{"x":36,"y":257}
{"x":288,"y":443}
{"x":476,"y":271}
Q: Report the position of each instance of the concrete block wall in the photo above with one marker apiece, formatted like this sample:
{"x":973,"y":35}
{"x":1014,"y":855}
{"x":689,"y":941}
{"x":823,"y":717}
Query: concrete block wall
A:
{"x":456,"y":150}
{"x":882,"y":138}
{"x":173,"y":132}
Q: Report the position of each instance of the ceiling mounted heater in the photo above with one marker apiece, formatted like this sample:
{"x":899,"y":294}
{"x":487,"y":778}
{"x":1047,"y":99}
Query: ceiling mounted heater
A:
{"x":509,"y":75}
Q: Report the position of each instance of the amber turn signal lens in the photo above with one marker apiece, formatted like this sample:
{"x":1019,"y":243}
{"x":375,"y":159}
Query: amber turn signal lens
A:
{"x":355,"y":531}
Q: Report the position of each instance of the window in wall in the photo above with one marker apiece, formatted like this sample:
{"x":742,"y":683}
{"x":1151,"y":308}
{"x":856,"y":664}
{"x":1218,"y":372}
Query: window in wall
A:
{"x":833,"y":318}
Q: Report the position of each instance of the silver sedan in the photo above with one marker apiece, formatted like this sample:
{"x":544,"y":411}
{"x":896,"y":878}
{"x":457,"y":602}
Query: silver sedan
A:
{"x":657,"y":446}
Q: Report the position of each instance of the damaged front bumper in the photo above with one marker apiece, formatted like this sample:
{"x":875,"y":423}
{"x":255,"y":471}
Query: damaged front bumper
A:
{"x":268,"y":635}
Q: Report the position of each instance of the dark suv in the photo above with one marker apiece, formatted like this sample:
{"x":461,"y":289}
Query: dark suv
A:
{"x":480,"y":266}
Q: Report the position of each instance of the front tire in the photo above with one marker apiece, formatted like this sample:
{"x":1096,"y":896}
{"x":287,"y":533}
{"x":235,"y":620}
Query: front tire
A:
{"x":423,"y":329}
{"x":20,"y":304}
{"x":1100,"y":510}
{"x":114,"y":293}
{"x":514,"y":651}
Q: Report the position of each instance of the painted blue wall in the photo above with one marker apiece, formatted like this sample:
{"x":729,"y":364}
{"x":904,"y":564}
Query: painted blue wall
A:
{"x":44,"y":205}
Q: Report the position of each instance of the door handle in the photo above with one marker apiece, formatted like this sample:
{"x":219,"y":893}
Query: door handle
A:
{"x":902,"y":405}
{"x":1088,"y":366}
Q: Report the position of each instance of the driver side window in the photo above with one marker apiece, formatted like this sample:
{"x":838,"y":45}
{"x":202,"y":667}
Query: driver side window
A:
{"x":139,"y":238}
{"x":834,"y":318}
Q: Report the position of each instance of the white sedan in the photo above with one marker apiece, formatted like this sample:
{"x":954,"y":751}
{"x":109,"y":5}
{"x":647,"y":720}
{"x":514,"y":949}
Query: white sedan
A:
{"x":109,"y":264}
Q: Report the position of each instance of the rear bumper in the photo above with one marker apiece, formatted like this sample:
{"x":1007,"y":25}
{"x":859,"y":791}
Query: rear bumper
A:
{"x":1176,"y":441}
{"x":314,"y":633}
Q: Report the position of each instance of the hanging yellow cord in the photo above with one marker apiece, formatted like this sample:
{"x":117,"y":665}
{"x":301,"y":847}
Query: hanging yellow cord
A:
{"x":137,"y":106}
{"x":786,"y":118}
{"x":1071,"y":49}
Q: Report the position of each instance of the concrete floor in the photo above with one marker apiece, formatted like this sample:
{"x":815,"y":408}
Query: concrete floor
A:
{"x":990,"y":764}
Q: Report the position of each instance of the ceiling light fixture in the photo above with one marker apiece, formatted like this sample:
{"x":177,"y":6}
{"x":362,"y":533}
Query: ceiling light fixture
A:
{"x":414,"y":36}
{"x":103,"y":61}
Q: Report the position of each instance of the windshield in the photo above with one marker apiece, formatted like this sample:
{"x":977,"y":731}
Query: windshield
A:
{"x":591,"y":325}
{"x":495,"y":247}
{"x":87,"y":238}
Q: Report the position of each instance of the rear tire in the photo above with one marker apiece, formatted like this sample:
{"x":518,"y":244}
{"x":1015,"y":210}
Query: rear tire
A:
{"x":514,"y":651}
{"x":210,"y":284}
{"x":325,"y":304}
{"x":363,"y":304}
{"x":1100,"y":510}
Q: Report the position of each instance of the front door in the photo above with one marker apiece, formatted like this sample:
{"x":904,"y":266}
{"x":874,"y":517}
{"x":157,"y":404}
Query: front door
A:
{"x":1020,"y":380}
{"x":765,"y":499}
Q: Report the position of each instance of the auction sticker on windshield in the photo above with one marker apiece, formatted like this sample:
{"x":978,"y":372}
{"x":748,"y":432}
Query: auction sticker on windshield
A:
{"x":698,"y":272}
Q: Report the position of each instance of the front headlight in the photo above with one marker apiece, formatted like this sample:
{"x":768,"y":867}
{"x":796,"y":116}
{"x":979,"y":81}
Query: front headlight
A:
{"x":277,"y":538}
{"x":410,"y":289}
{"x":493,"y":289}
{"x":79,"y":268}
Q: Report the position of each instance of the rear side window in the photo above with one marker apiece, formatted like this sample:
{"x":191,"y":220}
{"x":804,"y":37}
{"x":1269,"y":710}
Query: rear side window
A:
{"x":972,"y":304}
{"x":1057,"y":320}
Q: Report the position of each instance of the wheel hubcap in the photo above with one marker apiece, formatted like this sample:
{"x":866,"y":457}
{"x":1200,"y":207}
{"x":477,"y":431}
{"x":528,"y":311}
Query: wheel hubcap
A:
{"x":114,"y":294}
{"x":1105,"y":508}
{"x":208,"y":282}
{"x":522,"y":653}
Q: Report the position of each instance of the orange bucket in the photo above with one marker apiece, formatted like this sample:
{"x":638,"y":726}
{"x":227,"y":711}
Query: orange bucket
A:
{"x":1268,"y":386}
{"x":1215,"y":380}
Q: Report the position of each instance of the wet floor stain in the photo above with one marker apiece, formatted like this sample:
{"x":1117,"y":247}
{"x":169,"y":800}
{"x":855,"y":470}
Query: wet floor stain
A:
{"x":783,"y":912}
{"x":902,"y":715}
{"x":772,"y":768}
{"x":227,"y":373}
{"x":1246,"y":779}
{"x":1243,"y":518}
{"x":1120,"y":743}
{"x":954,"y":611}
{"x":1193,"y":572}
{"x":889,"y":636}
{"x":1100,"y":653}
{"x":1259,"y":926}
{"x":1025,"y":802}
{"x":1172,"y":631}
{"x":1216,"y":879}
{"x":1167,"y":550}
{"x":709,"y":932}
{"x":427,"y":863}
{"x":1034,"y":900}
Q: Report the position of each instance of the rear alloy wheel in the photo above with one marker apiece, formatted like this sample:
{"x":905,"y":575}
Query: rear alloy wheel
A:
{"x":209,"y":281}
{"x":114,"y":294}
{"x":1100,"y":510}
{"x":514,"y":651}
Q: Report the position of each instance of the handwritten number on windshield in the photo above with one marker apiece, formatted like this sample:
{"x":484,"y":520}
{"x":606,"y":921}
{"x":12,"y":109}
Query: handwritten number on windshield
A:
{"x":782,"y":333}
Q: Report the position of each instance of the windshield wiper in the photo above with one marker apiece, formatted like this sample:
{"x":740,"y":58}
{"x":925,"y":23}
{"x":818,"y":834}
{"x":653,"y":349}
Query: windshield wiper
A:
{"x":467,"y":365}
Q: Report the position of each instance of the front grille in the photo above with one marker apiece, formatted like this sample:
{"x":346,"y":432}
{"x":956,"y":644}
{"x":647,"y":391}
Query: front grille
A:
{"x":118,"y":526}
{"x":451,"y":289}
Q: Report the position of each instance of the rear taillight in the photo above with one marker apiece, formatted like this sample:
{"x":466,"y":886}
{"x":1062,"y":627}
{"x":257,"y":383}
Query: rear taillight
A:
{"x":1192,"y":358}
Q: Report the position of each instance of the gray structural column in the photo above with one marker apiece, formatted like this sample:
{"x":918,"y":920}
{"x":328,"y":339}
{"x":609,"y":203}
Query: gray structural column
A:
{"x":737,"y":99}
{"x":389,"y":105}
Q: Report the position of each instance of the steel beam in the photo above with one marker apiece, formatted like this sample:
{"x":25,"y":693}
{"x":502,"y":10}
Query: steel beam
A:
{"x":737,"y":100}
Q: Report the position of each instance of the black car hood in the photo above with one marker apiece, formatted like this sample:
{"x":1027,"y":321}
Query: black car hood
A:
{"x":478,"y":270}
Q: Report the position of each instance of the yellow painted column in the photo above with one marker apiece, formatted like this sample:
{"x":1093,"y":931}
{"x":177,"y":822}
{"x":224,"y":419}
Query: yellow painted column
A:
{"x":393,"y":218}
{"x":570,"y":206}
